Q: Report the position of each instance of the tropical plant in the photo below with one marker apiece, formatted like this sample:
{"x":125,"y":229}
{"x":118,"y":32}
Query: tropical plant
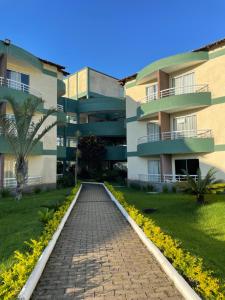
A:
{"x":45,"y":215}
{"x":202,"y":186}
{"x":91,"y":154}
{"x":78,"y":154}
{"x":23,"y":134}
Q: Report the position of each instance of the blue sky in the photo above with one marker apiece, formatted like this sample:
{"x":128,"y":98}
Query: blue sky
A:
{"x":114,"y":36}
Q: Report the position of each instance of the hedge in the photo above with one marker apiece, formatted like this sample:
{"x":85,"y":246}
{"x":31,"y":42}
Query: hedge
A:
{"x":190,"y":266}
{"x":13,"y":279}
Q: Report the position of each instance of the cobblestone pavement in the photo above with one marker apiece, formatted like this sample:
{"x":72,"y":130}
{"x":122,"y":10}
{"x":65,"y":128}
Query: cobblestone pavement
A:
{"x":99,"y":256}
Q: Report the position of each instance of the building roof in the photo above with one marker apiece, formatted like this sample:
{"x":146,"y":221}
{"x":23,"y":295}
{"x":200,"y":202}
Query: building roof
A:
{"x":124,"y":80}
{"x":211,"y":46}
{"x":59,"y":67}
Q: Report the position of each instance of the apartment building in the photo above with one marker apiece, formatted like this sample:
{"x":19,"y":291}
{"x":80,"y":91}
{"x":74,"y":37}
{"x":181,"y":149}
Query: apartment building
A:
{"x":175,"y":110}
{"x":22,"y":74}
{"x":94,"y":104}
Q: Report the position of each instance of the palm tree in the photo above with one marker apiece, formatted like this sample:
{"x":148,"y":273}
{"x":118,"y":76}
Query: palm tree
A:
{"x":202,"y":186}
{"x":22,"y":134}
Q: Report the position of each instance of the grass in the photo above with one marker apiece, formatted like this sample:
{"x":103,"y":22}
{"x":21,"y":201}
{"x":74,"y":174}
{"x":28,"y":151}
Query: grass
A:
{"x":19,"y":220}
{"x":201,"y":229}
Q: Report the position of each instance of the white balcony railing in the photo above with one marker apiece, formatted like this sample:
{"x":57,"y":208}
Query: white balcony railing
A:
{"x":184,"y":90}
{"x":187,"y":89}
{"x":59,"y":107}
{"x":17,"y":85}
{"x":163,"y":178}
{"x":175,"y":135}
{"x":11,"y":182}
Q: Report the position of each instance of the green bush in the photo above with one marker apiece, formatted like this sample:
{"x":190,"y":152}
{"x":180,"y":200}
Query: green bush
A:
{"x":135,"y":186}
{"x":5,"y":192}
{"x":13,"y":278}
{"x":174,"y":189}
{"x":45,"y":215}
{"x":190,"y":266}
{"x":165,"y":189}
{"x":150,"y":188}
{"x":37,"y":190}
{"x":67,"y":180}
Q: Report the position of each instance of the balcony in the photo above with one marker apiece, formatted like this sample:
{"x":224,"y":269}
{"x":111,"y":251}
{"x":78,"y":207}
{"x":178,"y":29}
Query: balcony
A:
{"x":118,"y":152}
{"x":11,"y":182}
{"x":167,"y":178}
{"x":174,"y":100}
{"x":16,"y":89}
{"x":101,"y":104}
{"x":106,"y":128}
{"x":176,"y":142}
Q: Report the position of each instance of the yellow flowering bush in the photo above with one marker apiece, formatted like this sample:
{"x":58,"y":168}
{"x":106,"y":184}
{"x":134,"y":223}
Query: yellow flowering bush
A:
{"x":13,"y":278}
{"x":190,"y":266}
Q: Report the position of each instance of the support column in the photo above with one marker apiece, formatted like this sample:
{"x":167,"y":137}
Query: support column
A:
{"x":165,"y":159}
{"x":3,"y":65}
{"x":163,"y":81}
{"x":1,"y":170}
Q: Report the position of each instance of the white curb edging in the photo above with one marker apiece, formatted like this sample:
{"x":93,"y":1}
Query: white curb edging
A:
{"x":34,"y":277}
{"x":181,"y":284}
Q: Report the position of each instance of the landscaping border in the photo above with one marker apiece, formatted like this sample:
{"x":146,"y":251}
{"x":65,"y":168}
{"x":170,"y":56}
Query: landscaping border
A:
{"x":181,"y":284}
{"x":35,"y":275}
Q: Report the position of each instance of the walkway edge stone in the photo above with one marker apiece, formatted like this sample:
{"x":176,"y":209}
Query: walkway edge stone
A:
{"x":35,"y":275}
{"x":180,"y":283}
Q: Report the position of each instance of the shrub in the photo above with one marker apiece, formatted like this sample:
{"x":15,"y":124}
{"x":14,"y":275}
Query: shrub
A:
{"x":190,"y":266}
{"x":150,"y":188}
{"x":13,"y":278}
{"x":174,"y":188}
{"x":67,"y":180}
{"x":37,"y":190}
{"x":135,"y":186}
{"x":5,"y":192}
{"x":165,"y":189}
{"x":45,"y":215}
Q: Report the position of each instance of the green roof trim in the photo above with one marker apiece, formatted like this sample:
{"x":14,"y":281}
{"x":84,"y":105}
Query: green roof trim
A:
{"x":171,"y":61}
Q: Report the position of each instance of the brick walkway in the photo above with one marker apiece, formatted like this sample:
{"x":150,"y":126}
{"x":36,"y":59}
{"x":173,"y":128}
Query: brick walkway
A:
{"x":99,"y":256}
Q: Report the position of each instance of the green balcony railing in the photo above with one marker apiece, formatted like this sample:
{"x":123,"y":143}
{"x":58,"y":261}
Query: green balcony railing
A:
{"x":176,"y":142}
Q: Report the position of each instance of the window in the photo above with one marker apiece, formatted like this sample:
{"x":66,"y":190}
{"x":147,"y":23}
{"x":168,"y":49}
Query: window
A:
{"x":71,"y":118}
{"x":152,"y":92}
{"x":71,"y":142}
{"x":185,"y":126}
{"x":153,"y":131}
{"x":183,"y":84}
{"x":153,"y":170}
{"x":18,"y":80}
{"x":60,"y":141}
{"x":190,"y":165}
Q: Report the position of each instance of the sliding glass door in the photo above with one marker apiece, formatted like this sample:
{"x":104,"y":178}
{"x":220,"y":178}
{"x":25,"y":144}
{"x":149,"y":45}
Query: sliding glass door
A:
{"x":183,"y":84}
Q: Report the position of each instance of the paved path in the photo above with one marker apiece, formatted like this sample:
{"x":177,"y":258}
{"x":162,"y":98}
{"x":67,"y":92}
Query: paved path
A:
{"x":99,"y":256}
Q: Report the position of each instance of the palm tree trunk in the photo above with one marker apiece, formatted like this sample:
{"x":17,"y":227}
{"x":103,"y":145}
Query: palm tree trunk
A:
{"x":201,"y":199}
{"x":21,"y":170}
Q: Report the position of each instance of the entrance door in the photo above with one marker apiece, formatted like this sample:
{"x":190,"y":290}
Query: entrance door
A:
{"x":154,"y":170}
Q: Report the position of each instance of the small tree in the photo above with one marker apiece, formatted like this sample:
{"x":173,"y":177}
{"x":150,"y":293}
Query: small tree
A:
{"x":23,"y":134}
{"x":92,"y":151}
{"x":78,"y":154}
{"x":202,"y":186}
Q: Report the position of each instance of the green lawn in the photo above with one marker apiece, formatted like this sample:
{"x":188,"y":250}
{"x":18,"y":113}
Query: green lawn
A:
{"x":19,"y":220}
{"x":201,"y":229}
